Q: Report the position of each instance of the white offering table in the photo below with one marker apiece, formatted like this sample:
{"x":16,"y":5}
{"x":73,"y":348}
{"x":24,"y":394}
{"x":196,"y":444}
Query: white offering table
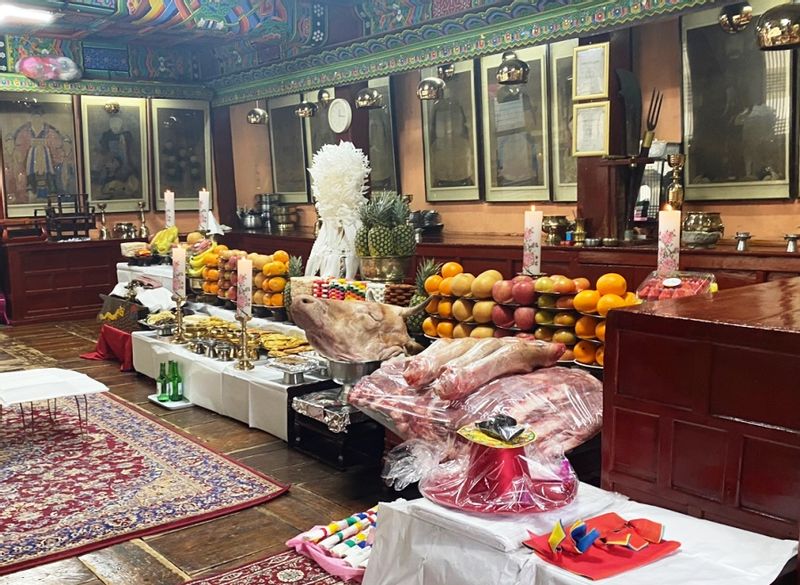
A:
{"x":422,"y":543}
{"x":256,"y":397}
{"x":161,"y":273}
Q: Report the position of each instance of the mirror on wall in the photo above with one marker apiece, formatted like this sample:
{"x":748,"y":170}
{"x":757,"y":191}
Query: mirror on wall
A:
{"x":564,"y":165}
{"x":515,"y":142}
{"x":382,"y":155}
{"x":450,"y":130}
{"x":737,"y":111}
{"x":287,"y":147}
{"x":39,"y":150}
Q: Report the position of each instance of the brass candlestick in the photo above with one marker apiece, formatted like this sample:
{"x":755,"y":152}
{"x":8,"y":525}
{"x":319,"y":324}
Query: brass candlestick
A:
{"x":179,"y":337}
{"x":104,"y":233}
{"x":243,"y":363}
{"x":675,"y":189}
{"x":144,"y":231}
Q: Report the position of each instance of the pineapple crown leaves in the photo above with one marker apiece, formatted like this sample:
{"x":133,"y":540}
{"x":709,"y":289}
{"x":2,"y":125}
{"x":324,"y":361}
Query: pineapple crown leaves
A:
{"x":295,"y":266}
{"x":385,"y":208}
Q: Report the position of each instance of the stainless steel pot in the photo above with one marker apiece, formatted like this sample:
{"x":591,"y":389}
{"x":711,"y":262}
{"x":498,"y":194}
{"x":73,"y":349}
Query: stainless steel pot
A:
{"x":252,"y":221}
{"x":225,"y":352}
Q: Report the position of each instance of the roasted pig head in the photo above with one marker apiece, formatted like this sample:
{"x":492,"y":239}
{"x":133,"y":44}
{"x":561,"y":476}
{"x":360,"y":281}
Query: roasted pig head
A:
{"x":354,"y":331}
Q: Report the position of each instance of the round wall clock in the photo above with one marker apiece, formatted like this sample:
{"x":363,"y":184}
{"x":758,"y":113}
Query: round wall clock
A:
{"x":340,"y":115}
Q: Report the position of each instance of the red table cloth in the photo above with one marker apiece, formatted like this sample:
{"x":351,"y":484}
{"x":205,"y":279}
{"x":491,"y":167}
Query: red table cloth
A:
{"x":113,"y":344}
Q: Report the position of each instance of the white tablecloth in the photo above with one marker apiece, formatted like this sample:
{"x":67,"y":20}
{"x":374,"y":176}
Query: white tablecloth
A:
{"x":159,"y":272}
{"x":45,"y":384}
{"x":421,"y":543}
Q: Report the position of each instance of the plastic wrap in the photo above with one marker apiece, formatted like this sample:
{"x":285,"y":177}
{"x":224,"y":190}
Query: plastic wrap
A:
{"x":673,"y":285}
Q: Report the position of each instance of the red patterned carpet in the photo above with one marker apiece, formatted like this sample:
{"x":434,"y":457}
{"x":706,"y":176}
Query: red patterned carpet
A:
{"x":285,"y":567}
{"x":63,"y":493}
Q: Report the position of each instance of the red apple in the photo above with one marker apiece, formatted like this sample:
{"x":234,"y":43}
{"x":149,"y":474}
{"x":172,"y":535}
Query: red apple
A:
{"x":521,"y":278}
{"x":525,"y":318}
{"x":503,"y":316}
{"x":523,"y":293}
{"x":581,"y":283}
{"x":501,"y":291}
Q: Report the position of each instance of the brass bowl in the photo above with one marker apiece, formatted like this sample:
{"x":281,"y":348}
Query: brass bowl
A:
{"x":385,"y":268}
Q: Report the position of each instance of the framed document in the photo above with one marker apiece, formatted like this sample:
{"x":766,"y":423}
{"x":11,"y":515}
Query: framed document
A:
{"x":737,"y":112}
{"x":115,"y":151}
{"x":590,"y":72}
{"x":317,"y":129}
{"x":181,"y":151}
{"x":590,"y":137}
{"x":39,"y":158}
{"x":287,"y":147}
{"x":449,"y":131}
{"x":515,"y":144}
{"x":382,"y":159}
{"x":565,"y":167}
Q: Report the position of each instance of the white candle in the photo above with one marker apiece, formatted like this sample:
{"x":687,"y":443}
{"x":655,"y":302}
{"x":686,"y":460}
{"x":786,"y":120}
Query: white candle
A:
{"x":669,"y":241}
{"x":179,"y":271}
{"x":244,"y":287}
{"x":169,"y":208}
{"x":532,"y":242}
{"x":204,"y":205}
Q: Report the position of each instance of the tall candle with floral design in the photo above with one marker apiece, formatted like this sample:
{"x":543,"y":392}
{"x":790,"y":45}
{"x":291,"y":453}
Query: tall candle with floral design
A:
{"x":244,"y":287}
{"x":179,"y":271}
{"x":669,"y":241}
{"x":532,"y":242}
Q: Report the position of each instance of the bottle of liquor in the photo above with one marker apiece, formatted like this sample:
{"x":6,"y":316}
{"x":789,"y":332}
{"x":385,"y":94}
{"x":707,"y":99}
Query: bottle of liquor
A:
{"x":176,"y":393}
{"x":162,"y":384}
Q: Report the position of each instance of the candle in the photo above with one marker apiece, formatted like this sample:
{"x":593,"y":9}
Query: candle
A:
{"x":532,"y":242}
{"x":204,"y":205}
{"x":179,"y":271}
{"x":669,"y":241}
{"x":169,"y":208}
{"x":244,"y":287}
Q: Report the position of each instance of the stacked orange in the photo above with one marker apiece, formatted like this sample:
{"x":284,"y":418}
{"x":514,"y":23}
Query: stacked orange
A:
{"x":440,"y":322}
{"x":270,"y":282}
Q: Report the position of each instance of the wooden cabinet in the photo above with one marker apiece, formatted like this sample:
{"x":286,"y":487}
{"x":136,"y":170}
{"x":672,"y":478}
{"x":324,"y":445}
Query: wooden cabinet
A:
{"x":701,"y":406}
{"x":46,"y":281}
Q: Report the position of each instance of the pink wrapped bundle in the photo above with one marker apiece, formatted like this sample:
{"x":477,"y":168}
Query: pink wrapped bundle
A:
{"x":423,"y":368}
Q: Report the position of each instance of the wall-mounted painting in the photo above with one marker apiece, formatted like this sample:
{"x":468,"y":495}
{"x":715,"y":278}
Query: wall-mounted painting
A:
{"x":450,"y":130}
{"x":39,"y":154}
{"x":565,"y":167}
{"x":737,"y":111}
{"x":115,"y":151}
{"x":516,"y":145}
{"x":289,"y":176}
{"x":317,"y":129}
{"x":182,"y":150}
{"x":381,"y":140}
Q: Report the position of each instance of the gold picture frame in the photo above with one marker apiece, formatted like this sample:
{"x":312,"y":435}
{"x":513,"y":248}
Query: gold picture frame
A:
{"x":516,"y":144}
{"x":590,"y":76}
{"x":287,"y":150}
{"x":591,"y":126}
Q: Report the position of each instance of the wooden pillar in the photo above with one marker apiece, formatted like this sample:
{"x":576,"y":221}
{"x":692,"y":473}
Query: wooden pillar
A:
{"x":223,"y":164}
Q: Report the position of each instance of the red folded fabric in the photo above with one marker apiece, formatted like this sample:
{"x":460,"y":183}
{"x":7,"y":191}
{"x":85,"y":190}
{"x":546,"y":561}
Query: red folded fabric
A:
{"x":113,"y":344}
{"x":622,"y":546}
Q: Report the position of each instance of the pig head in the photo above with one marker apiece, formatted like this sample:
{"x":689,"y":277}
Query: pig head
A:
{"x":354,"y":331}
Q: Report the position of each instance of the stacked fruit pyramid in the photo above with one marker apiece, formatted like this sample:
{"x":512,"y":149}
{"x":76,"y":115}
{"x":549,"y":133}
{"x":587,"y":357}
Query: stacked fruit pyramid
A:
{"x":385,"y":230}
{"x":227,"y":268}
{"x":209,"y":260}
{"x":271,"y":278}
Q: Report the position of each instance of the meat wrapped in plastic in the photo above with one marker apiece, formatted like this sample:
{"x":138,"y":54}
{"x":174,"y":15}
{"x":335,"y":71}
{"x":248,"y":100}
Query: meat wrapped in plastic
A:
{"x":423,"y":368}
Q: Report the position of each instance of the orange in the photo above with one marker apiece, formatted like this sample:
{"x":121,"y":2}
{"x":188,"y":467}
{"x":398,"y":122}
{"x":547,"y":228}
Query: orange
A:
{"x":276,"y":300}
{"x":205,"y":287}
{"x":608,"y":302}
{"x":432,"y":284}
{"x":585,"y":326}
{"x":584,"y":352}
{"x":586,"y":301}
{"x":600,"y":331}
{"x":213,"y":288}
{"x":450,"y":269}
{"x":612,"y":284}
{"x":211,"y":260}
{"x":280,"y":256}
{"x":429,"y":326}
{"x":277,"y":284}
{"x":630,"y":299}
{"x":445,"y":329}
{"x":446,"y":286}
{"x":445,"y":309}
{"x":274,"y":268}
{"x":265,"y":285}
{"x":599,"y":355}
{"x":212,"y":274}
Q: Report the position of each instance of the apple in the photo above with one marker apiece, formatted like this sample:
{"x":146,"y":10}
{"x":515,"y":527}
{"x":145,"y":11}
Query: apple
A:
{"x":544,"y":284}
{"x":543,"y":334}
{"x":547,"y":302}
{"x":544,"y":317}
{"x":565,"y":302}
{"x":523,"y":293}
{"x":565,"y":336}
{"x":525,"y":318}
{"x":502,"y":291}
{"x":564,"y":319}
{"x":581,"y":283}
{"x":503,"y":316}
{"x":563,"y":285}
{"x":521,"y":278}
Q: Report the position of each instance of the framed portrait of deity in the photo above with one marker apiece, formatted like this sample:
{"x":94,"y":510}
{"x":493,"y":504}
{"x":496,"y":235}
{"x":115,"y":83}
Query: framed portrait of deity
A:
{"x":287,"y":148}
{"x":450,"y":131}
{"x":382,"y":158}
{"x":316,"y":127}
{"x":516,"y":145}
{"x":181,"y":151}
{"x":115,"y":142}
{"x":39,"y":154}
{"x":565,"y":166}
{"x":737,"y":111}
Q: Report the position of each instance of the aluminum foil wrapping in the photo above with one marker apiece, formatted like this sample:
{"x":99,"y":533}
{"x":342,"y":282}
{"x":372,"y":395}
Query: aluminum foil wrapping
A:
{"x":325,"y":407}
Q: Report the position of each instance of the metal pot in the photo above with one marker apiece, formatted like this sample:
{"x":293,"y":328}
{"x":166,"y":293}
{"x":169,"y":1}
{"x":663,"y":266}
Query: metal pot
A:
{"x":252,"y":221}
{"x":703,"y":221}
{"x":350,"y":372}
{"x":225,"y":352}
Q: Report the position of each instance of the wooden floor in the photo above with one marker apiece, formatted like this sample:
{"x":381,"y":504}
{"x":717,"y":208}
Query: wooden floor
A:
{"x":318,"y":492}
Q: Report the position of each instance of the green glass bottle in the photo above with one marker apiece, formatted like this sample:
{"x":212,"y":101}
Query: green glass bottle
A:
{"x":176,"y":393}
{"x":162,"y":384}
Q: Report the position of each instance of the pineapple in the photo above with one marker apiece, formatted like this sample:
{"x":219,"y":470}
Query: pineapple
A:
{"x":403,"y":232}
{"x":295,"y":269}
{"x":380,"y":240}
{"x":426,"y":268}
{"x":362,"y":235}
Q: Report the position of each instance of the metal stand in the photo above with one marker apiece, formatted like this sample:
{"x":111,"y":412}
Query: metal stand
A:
{"x":244,"y":363}
{"x":179,"y":337}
